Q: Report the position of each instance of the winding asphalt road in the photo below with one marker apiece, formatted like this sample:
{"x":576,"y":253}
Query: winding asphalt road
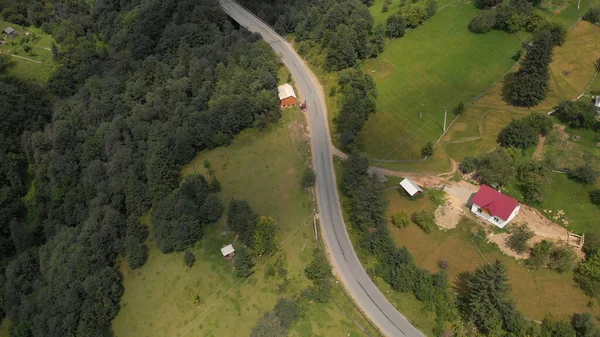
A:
{"x":348,"y":268}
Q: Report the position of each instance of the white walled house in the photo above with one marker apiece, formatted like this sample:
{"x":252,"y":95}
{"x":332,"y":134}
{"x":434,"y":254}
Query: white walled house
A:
{"x":494,"y":207}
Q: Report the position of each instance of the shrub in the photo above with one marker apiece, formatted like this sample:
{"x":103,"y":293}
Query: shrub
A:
{"x":540,"y":254}
{"x":424,"y":220}
{"x":400,"y":220}
{"x":288,"y":311}
{"x":592,"y":15}
{"x":427,"y":150}
{"x":136,"y":255}
{"x":438,"y":197}
{"x":469,"y":164}
{"x":562,"y":259}
{"x":588,"y":275}
{"x":443,"y":264}
{"x":591,"y":244}
{"x":308,"y":178}
{"x":243,"y":263}
{"x":595,"y":197}
{"x":189,"y":259}
{"x":584,"y":174}
{"x":415,"y":16}
{"x":483,"y":22}
{"x":459,"y":109}
{"x":518,"y":238}
{"x":431,"y":8}
{"x":395,"y":26}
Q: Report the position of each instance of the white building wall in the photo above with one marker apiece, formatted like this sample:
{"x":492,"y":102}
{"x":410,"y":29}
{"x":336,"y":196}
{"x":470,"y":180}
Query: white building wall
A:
{"x":492,"y":219}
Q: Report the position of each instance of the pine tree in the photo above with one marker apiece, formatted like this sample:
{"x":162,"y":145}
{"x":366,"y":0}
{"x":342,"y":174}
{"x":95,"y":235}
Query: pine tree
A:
{"x":243,"y":263}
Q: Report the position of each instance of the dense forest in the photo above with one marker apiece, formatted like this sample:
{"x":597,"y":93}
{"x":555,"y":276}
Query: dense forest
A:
{"x":142,"y":86}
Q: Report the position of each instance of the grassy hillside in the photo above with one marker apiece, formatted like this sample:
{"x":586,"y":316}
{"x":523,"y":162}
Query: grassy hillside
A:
{"x":264,"y":168}
{"x":430,"y":69}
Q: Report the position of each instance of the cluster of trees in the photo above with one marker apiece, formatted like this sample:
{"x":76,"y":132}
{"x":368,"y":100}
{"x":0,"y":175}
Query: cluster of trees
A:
{"x":343,"y":29}
{"x":276,"y":323}
{"x":523,"y":133}
{"x":502,"y":167}
{"x":358,"y":101}
{"x":579,"y":114}
{"x":545,"y":254}
{"x":530,"y":83}
{"x":410,"y":17}
{"x":178,"y":220}
{"x":511,"y":16}
{"x":135,"y":97}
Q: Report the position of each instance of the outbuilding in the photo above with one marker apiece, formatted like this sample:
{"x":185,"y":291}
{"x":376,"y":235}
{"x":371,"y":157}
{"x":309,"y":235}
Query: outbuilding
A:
{"x":494,"y":206}
{"x":287,"y":96}
{"x":9,"y":32}
{"x":410,"y":187}
{"x":597,"y":104}
{"x":227,"y":251}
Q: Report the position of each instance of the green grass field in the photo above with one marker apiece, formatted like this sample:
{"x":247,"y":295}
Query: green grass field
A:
{"x":571,"y":70}
{"x":430,"y":69}
{"x":264,"y":168}
{"x":538,"y":293}
{"x":37,"y":63}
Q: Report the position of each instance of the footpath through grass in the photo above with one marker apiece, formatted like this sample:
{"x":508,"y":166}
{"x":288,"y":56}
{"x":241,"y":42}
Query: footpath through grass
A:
{"x":265,"y":168}
{"x":35,"y":64}
{"x":538,"y":293}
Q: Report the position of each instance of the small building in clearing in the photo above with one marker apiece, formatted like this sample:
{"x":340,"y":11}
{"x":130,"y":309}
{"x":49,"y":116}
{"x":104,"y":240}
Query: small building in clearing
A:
{"x":9,"y":32}
{"x":227,"y":251}
{"x":597,"y":104}
{"x":494,"y":206}
{"x":287,"y":96}
{"x":410,"y":187}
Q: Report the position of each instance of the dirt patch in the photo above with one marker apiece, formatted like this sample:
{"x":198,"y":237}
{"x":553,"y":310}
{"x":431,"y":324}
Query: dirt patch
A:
{"x":448,"y":216}
{"x":537,"y":155}
{"x":290,"y":171}
{"x":459,"y":126}
{"x":541,"y":225}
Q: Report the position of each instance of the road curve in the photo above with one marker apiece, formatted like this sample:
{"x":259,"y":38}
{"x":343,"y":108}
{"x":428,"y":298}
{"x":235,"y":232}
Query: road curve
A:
{"x":346,"y":263}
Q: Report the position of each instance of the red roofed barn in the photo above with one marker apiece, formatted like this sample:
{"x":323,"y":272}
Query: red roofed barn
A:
{"x":494,"y":206}
{"x":287,"y":96}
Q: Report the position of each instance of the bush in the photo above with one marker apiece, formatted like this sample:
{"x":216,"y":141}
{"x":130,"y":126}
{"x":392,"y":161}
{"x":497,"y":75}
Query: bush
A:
{"x":584,"y":174}
{"x":308,"y":178}
{"x":562,"y":259}
{"x":243,"y":263}
{"x":592,"y":15}
{"x":591,"y":244}
{"x":395,"y":26}
{"x":469,"y":164}
{"x":288,"y":311}
{"x":459,"y":109}
{"x":319,"y":272}
{"x":483,"y":22}
{"x":427,"y":150}
{"x":540,"y":254}
{"x":518,"y":238}
{"x":431,"y":8}
{"x":438,"y":197}
{"x":415,"y":16}
{"x":424,"y":220}
{"x":588,"y":275}
{"x":189,"y":258}
{"x":595,"y":197}
{"x":400,"y":220}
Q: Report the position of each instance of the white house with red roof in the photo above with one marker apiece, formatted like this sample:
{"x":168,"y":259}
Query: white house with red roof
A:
{"x":495,"y":207}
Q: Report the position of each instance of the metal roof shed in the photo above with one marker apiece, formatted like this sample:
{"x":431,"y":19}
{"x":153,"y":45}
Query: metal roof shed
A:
{"x":410,"y":187}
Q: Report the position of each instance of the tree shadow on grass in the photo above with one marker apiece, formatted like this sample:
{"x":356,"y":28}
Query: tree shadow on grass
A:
{"x":507,"y":83}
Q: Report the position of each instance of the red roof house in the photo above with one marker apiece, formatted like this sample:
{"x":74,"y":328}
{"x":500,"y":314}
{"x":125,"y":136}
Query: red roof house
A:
{"x":495,"y":207}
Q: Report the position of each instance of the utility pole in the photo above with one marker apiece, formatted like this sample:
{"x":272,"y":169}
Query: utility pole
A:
{"x":445,"y":115}
{"x":578,"y":2}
